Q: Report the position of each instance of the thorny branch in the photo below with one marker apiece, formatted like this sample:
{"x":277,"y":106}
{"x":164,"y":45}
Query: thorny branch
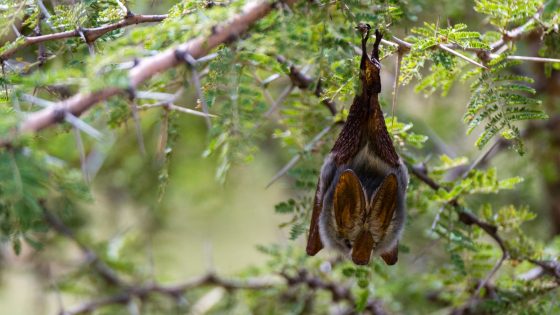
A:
{"x":90,"y":34}
{"x":197,"y":48}
{"x":150,"y":66}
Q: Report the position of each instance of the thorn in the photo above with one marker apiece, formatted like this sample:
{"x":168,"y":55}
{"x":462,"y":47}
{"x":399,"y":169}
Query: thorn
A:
{"x":191,"y":62}
{"x":136,"y":118}
{"x":453,"y":52}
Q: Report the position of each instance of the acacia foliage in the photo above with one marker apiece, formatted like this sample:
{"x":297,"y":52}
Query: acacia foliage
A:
{"x":247,"y":86}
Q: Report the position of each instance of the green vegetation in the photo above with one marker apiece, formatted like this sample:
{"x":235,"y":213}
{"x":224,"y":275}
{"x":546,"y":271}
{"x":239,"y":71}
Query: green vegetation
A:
{"x":108,"y":117}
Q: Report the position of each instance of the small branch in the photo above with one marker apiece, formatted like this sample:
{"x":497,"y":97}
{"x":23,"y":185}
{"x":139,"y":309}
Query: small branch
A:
{"x":303,"y":81}
{"x":491,"y":274}
{"x":482,"y":158}
{"x":464,"y":216}
{"x":279,"y":100}
{"x":421,"y":173}
{"x":90,"y":34}
{"x":338,"y":291}
{"x":517,"y":32}
{"x":166,"y":101}
{"x":551,"y":267}
{"x":108,"y":274}
{"x":406,"y":46}
{"x":308,"y":147}
{"x":468,"y":219}
{"x":502,"y":144}
{"x":125,"y":10}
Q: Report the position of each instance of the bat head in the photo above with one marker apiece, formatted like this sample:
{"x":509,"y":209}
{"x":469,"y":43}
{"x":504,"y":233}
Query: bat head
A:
{"x":361,"y":224}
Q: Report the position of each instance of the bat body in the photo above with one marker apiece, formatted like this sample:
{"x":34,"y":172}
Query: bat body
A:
{"x":359,"y":206}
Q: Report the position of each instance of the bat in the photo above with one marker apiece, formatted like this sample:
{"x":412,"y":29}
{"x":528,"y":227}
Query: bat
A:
{"x":359,"y":205}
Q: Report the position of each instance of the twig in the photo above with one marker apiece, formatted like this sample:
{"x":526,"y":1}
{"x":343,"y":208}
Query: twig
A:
{"x":402,"y":44}
{"x":550,"y":267}
{"x":491,"y":274}
{"x":468,"y":219}
{"x":90,"y":34}
{"x":279,"y":100}
{"x":125,"y":10}
{"x":338,"y":291}
{"x":502,"y":143}
{"x":515,"y":33}
{"x":99,"y":266}
{"x":167,"y":102}
{"x":309,"y":146}
{"x":482,"y":158}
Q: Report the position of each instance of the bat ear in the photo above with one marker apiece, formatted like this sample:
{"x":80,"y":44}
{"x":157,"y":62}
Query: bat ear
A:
{"x":349,"y":202}
{"x":383,"y":204}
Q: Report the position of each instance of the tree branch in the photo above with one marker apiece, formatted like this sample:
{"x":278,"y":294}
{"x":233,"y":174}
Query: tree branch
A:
{"x":338,"y":292}
{"x":491,"y":230}
{"x":174,"y":291}
{"x":150,"y":66}
{"x":90,"y":34}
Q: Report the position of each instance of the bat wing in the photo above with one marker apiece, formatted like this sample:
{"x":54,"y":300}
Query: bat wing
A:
{"x":314,"y":244}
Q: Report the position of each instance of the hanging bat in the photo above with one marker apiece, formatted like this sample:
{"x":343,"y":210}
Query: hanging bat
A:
{"x":359,"y":205}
